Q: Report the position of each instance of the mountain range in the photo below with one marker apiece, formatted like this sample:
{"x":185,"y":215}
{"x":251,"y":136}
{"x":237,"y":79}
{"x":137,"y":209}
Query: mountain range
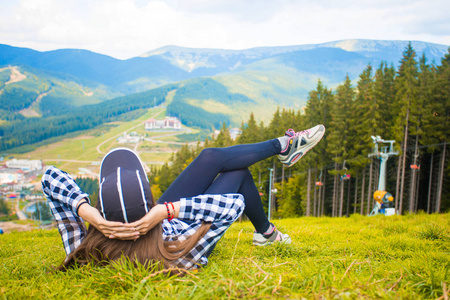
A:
{"x":171,"y":63}
{"x":219,"y":84}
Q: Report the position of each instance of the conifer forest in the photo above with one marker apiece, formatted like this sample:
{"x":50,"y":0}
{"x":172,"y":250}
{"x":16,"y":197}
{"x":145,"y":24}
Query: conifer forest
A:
{"x":409,"y":104}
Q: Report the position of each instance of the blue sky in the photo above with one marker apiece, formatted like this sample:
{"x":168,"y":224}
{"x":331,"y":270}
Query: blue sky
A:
{"x":128,"y":28}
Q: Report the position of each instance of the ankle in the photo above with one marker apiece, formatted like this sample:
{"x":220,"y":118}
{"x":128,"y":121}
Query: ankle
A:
{"x":284,"y":143}
{"x":270,"y":230}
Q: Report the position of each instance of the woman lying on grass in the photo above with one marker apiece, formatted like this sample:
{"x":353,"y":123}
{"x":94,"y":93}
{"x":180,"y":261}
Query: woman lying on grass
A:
{"x":182,"y":228}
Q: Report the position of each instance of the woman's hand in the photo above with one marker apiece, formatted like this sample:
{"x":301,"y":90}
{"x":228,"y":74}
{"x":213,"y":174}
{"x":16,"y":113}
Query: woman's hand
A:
{"x":155,"y":216}
{"x":112,"y":230}
{"x":126,"y":231}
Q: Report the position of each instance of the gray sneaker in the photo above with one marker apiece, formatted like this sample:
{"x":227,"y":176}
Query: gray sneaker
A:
{"x":260,"y":239}
{"x":300,"y":143}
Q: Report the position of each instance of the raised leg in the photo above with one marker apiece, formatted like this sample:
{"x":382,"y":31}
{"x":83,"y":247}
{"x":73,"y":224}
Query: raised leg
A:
{"x":200,"y":174}
{"x":241,"y":181}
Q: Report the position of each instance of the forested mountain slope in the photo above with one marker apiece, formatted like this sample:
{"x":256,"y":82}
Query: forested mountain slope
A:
{"x":203,"y":87}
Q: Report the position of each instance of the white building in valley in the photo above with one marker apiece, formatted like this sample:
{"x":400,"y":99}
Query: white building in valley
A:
{"x":129,"y":138}
{"x":24,"y":164}
{"x":169,"y":123}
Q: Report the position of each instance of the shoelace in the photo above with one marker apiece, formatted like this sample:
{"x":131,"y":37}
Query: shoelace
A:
{"x":291,"y":133}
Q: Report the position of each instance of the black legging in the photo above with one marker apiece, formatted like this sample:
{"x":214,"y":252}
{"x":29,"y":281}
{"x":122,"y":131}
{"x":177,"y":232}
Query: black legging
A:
{"x":222,"y":171}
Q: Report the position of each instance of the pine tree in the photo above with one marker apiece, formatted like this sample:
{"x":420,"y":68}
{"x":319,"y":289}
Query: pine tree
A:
{"x":340,"y":121}
{"x":290,"y":206}
{"x":406,"y":96}
{"x":4,"y":209}
{"x":275,"y":128}
{"x":367,"y":110}
{"x":384,"y":93}
{"x":439,"y":125}
{"x":339,"y":137}
{"x":318,"y":111}
{"x":364,"y":125}
{"x":223,"y":139}
{"x":424,"y":95}
{"x":250,"y":132}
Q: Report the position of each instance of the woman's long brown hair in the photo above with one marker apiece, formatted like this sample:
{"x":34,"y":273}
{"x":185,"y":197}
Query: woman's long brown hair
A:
{"x":149,"y":249}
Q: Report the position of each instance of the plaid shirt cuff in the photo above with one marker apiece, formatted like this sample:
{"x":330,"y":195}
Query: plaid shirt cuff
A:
{"x":60,"y":186}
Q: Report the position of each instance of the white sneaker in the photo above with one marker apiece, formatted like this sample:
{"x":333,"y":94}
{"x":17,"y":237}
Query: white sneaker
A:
{"x":260,"y":239}
{"x":300,"y":143}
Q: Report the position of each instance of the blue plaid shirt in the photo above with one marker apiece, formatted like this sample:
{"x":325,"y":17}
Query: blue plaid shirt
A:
{"x":63,"y":195}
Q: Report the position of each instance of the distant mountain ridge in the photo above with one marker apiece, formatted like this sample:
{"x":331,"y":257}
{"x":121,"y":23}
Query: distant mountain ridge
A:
{"x":329,"y":62}
{"x":203,"y":87}
{"x":87,"y":65}
{"x":193,"y":58}
{"x":172,"y":63}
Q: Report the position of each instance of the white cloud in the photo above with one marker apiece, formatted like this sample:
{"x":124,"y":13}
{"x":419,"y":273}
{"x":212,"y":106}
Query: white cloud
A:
{"x":127,"y":28}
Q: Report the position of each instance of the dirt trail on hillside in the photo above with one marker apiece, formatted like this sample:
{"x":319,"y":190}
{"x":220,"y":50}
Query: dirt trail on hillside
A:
{"x":31,"y":112}
{"x":15,"y":76}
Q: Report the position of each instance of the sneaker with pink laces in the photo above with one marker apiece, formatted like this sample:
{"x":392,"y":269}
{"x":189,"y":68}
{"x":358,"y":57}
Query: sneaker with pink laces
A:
{"x":299,"y":143}
{"x":261,"y":239}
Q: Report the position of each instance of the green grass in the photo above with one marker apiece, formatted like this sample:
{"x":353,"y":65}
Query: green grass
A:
{"x":398,"y":257}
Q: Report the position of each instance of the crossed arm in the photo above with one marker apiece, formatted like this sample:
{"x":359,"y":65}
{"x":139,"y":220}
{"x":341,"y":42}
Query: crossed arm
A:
{"x":66,"y":201}
{"x":125,"y":231}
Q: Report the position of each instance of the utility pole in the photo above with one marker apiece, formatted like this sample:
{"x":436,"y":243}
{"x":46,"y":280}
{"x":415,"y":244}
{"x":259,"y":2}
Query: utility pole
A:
{"x":308,"y":196}
{"x":270,"y":193}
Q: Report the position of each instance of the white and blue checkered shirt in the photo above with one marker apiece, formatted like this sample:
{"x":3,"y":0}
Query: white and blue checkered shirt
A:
{"x":64,"y":194}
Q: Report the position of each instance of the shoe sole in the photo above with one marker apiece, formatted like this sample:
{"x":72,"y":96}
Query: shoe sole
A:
{"x":287,"y":242}
{"x":261,"y":245}
{"x":270,"y":243}
{"x":301,"y":152}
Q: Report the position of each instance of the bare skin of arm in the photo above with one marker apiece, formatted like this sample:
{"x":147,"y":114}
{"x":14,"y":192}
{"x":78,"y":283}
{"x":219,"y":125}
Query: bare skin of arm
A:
{"x":125,"y":231}
{"x":155,"y":216}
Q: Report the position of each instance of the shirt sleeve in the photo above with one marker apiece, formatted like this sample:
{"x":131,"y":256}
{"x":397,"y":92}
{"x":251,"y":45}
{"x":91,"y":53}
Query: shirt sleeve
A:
{"x":60,"y":186}
{"x":210,"y":208}
{"x":63,"y":196}
{"x":220,"y":210}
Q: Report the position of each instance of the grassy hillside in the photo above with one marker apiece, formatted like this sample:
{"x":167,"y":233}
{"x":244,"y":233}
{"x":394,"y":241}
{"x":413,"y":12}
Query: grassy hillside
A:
{"x":129,"y":76}
{"x":19,"y":135}
{"x":286,"y":79}
{"x":26,"y":88}
{"x":270,"y":87}
{"x":398,"y":257}
{"x":206,"y":103}
{"x":81,"y":151}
